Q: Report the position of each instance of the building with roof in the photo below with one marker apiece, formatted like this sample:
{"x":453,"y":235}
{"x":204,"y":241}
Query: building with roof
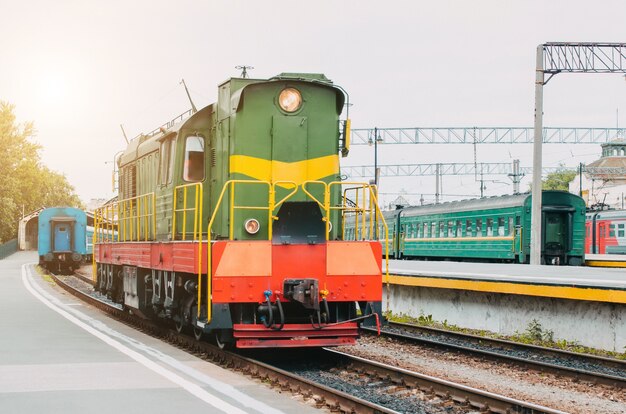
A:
{"x":603,"y":182}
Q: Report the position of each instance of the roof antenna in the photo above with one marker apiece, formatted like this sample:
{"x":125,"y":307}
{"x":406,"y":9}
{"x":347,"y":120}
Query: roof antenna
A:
{"x":124,"y":132}
{"x":193,"y":107}
{"x":244,"y":70}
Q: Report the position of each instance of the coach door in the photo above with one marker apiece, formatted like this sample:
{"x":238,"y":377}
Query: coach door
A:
{"x":556,"y":235}
{"x":62,"y":237}
{"x":603,"y":231}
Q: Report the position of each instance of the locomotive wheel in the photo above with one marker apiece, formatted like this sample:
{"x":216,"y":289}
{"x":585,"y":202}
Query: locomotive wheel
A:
{"x":178,"y":324}
{"x":197,"y":332}
{"x":221,"y":344}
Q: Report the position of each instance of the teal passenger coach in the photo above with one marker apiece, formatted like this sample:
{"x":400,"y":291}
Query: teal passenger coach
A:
{"x":488,"y":229}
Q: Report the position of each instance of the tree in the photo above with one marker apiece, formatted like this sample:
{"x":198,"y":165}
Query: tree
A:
{"x":558,"y":180}
{"x":24,"y":182}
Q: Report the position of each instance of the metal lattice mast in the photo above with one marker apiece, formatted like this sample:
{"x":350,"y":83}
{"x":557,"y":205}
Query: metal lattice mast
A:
{"x":485,"y":135}
{"x":488,"y":168}
{"x":554,"y":58}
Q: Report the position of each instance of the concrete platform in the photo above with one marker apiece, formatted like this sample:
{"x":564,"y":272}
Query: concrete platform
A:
{"x":605,"y":260}
{"x":567,"y":282}
{"x":58,"y":355}
{"x":579,"y":304}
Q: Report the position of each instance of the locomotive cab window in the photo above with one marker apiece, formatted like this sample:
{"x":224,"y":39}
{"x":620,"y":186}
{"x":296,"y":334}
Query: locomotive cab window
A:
{"x":194,"y":159}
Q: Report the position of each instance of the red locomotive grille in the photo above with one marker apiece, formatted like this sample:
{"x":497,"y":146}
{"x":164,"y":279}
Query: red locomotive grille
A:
{"x":294,"y":336}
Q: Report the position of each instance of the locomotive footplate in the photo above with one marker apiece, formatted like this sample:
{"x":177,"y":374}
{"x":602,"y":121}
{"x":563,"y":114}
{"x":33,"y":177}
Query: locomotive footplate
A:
{"x":294,"y":335}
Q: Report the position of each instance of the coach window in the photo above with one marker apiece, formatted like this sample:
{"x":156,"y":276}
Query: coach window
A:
{"x":450,"y":228}
{"x":459,"y":228}
{"x":433,"y":229}
{"x":442,"y":230}
{"x":500,"y":226}
{"x":620,"y":230}
{"x":479,"y":227}
{"x":489,"y":227}
{"x":612,"y":230}
{"x":510,"y":230}
{"x":425,"y":232}
{"x":468,"y":228}
{"x":194,"y":159}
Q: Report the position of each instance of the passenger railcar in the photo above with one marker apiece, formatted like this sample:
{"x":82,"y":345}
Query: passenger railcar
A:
{"x":606,"y":232}
{"x":62,"y":237}
{"x":229,"y":221}
{"x":490,"y":229}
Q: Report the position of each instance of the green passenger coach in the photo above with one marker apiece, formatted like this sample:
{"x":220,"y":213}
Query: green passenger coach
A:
{"x":489,"y":229}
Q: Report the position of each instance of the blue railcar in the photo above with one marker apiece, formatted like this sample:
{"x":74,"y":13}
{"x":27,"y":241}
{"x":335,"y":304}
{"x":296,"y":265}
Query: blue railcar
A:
{"x":89,"y":243}
{"x":62,"y":238}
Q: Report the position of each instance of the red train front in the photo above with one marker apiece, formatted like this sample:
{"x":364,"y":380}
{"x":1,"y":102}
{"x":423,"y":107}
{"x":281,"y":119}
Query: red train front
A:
{"x":606,"y":232}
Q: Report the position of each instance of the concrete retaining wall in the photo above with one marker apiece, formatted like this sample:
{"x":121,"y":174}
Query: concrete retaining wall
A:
{"x":594,"y":324}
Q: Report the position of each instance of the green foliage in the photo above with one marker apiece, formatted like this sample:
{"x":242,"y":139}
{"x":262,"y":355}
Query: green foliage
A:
{"x":558,"y":180}
{"x":535,"y":334}
{"x":24,"y":182}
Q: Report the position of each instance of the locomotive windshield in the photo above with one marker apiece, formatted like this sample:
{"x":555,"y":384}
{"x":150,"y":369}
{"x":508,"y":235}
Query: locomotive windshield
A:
{"x":194,"y":159}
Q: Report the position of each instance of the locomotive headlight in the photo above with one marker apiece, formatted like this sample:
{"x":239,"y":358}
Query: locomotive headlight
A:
{"x":252,"y":226}
{"x":290,"y":100}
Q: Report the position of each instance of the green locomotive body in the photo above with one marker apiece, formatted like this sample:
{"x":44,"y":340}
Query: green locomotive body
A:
{"x":239,"y":137}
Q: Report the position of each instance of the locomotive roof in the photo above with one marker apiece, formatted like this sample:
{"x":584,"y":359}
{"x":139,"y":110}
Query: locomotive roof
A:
{"x":146,"y":143}
{"x":495,"y":202}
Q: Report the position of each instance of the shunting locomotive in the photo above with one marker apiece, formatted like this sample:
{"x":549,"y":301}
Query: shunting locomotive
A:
{"x":229,"y":221}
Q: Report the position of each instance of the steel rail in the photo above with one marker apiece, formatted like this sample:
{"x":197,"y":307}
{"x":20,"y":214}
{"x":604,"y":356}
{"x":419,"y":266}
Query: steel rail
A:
{"x":578,"y":374}
{"x":482,"y":400}
{"x":323,"y":395}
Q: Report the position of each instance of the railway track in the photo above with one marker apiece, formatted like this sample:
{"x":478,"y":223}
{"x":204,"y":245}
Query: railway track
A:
{"x":583,"y":367}
{"x":336,"y":381}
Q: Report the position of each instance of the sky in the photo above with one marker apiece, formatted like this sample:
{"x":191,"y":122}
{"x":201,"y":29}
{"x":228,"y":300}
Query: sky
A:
{"x":80,"y":69}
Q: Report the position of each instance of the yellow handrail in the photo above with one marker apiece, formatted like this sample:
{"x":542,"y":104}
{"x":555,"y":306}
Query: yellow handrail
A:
{"x":271,"y":207}
{"x":131,"y":219}
{"x":196,"y":209}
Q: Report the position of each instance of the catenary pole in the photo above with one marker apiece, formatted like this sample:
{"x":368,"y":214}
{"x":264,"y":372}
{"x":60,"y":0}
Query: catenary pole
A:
{"x":535,"y":226}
